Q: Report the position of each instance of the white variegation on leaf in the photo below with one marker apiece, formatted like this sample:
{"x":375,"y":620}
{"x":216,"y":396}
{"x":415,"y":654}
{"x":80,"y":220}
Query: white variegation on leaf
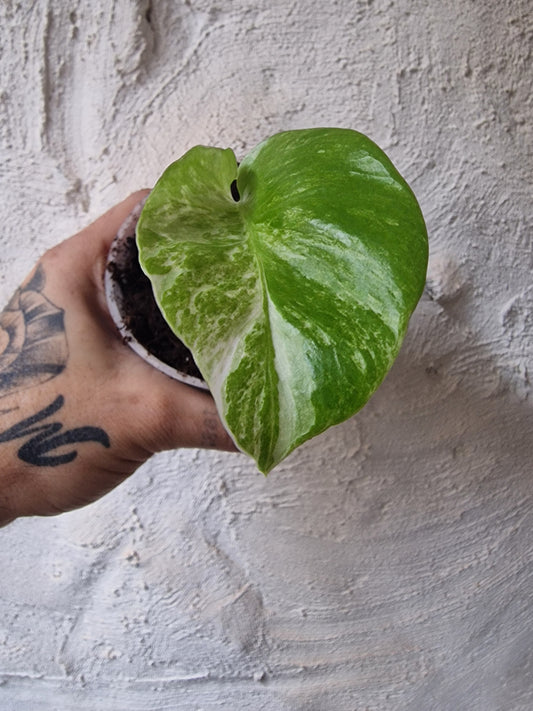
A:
{"x":294,"y":299}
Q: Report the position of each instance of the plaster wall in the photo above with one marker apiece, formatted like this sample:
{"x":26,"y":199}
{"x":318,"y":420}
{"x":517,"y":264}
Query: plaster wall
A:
{"x":387,"y":564}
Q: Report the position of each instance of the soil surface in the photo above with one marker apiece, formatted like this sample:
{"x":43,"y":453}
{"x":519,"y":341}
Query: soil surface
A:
{"x":142,"y":316}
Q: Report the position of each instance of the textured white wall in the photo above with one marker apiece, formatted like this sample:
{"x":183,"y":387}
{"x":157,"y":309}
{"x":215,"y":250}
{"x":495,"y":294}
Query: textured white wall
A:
{"x":388,"y":563}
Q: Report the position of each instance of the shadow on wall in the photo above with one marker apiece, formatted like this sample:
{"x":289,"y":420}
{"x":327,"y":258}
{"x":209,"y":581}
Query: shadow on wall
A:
{"x":404,"y":534}
{"x":437,"y":502}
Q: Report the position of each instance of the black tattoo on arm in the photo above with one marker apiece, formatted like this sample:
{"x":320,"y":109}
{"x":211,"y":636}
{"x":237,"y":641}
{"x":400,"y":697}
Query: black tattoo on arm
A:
{"x":33,"y":343}
{"x":45,"y":438}
{"x":33,"y":349}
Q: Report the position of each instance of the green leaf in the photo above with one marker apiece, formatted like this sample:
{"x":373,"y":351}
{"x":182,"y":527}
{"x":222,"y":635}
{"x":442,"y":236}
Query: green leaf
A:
{"x":294,"y":299}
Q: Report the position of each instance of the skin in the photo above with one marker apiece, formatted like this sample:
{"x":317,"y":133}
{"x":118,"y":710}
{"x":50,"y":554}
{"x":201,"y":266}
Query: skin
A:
{"x":79,"y":410}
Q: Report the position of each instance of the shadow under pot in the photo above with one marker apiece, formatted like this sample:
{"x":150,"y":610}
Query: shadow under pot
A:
{"x":136,"y":314}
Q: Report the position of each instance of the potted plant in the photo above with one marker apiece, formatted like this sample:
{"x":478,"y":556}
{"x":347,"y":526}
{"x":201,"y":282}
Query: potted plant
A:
{"x":290,"y":277}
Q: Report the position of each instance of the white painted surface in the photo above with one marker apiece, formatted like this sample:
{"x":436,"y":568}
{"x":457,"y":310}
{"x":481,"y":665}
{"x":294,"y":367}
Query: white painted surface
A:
{"x":388,"y":563}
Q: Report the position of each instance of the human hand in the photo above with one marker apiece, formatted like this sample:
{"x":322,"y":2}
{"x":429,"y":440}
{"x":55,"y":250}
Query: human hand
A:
{"x":79,"y":410}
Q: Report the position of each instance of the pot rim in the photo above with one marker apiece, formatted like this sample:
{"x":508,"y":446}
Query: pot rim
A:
{"x":114,"y":299}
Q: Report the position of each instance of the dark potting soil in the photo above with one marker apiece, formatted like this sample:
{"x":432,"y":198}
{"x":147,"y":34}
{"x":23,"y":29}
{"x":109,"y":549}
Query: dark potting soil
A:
{"x":142,"y":316}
